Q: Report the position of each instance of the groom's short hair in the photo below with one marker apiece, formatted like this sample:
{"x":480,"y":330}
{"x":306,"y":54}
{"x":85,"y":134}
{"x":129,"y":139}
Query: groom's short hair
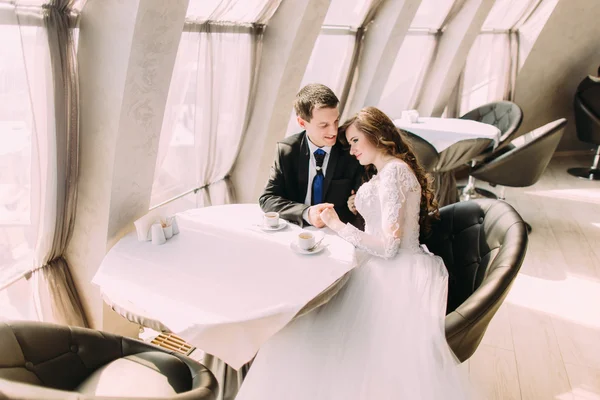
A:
{"x":311,"y":96}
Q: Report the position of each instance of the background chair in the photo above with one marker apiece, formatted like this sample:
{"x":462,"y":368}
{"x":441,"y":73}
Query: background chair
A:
{"x":507,"y":117}
{"x":40,"y":360}
{"x":525,"y":160}
{"x":587,"y":122}
{"x":483,"y":243}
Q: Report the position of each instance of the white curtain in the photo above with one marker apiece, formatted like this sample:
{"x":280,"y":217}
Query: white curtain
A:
{"x":492,"y":64}
{"x":209,"y":101}
{"x":39,"y":131}
{"x":227,"y":63}
{"x":207,"y":112}
{"x":27,"y":151}
{"x":175,"y":163}
{"x":531,"y":26}
{"x":329,"y":65}
{"x":486,"y":75}
{"x":232,"y":11}
{"x":337,"y":50}
{"x":406,"y":77}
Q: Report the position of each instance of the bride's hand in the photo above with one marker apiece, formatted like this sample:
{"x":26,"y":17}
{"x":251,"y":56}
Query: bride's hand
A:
{"x":331,"y":219}
{"x":351,"y":205}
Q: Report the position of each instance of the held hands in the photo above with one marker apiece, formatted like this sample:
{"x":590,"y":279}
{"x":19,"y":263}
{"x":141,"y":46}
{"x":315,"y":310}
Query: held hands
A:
{"x":314,"y":214}
{"x":331,"y":219}
{"x":351,"y":205}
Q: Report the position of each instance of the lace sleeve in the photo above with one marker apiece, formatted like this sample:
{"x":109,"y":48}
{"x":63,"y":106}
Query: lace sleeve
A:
{"x":393,"y":186}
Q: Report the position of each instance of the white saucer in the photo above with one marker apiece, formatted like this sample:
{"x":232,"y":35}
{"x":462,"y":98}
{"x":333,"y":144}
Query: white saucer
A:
{"x":282,"y":224}
{"x":298,"y":250}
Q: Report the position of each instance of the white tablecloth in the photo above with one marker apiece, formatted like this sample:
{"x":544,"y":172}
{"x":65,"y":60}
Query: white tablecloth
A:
{"x":444,"y":132}
{"x":222,"y":284}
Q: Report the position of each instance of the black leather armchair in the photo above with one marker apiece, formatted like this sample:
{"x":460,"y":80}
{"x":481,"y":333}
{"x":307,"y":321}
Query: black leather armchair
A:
{"x":483,"y":243}
{"x":587,"y":122}
{"x":47,"y":361}
{"x":504,"y":115}
{"x":525,"y":159}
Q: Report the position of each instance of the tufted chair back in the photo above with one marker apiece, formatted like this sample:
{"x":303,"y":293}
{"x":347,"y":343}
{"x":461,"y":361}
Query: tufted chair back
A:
{"x":504,"y":115}
{"x":41,"y":360}
{"x":483,"y":244}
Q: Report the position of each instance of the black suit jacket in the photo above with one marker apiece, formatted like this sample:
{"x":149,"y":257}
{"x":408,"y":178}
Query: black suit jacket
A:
{"x":288,"y":182}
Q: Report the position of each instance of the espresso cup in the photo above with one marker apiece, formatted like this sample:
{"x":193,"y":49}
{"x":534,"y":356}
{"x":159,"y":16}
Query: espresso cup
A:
{"x":271,"y":219}
{"x":306,"y":240}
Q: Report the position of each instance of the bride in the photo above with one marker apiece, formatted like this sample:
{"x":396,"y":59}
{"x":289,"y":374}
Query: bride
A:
{"x":382,"y":336}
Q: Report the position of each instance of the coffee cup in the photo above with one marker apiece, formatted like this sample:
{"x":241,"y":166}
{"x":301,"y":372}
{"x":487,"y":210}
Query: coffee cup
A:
{"x":306,"y":240}
{"x":271,"y":219}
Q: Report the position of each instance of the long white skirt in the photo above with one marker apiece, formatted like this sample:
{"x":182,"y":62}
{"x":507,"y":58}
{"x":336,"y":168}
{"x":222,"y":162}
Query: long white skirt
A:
{"x":381,"y":337}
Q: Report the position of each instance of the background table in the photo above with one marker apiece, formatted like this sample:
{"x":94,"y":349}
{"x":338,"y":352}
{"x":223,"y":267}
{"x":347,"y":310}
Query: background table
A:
{"x":457,"y":141}
{"x":444,"y":132}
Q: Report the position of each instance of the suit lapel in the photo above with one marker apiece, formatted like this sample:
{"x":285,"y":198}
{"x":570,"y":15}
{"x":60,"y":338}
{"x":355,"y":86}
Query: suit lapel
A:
{"x":303,"y":159}
{"x":334,"y":155}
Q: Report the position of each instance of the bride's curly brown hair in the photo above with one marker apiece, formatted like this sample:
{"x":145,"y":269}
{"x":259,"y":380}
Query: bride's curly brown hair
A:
{"x":381,"y":132}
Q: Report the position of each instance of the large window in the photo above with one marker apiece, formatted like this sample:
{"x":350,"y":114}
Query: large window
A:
{"x":410,"y":67}
{"x":209,"y":99}
{"x":17,"y":152}
{"x":28,"y":154}
{"x":331,"y":58}
{"x":486,"y":73}
{"x":407,"y":74}
{"x":329,"y":64}
{"x":492,"y":60}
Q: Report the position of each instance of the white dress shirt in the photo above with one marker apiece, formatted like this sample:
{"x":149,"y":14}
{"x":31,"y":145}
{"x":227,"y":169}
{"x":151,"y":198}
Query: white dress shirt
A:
{"x":312,"y":171}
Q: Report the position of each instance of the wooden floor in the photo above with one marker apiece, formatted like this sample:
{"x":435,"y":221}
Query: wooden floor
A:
{"x":544,"y":343}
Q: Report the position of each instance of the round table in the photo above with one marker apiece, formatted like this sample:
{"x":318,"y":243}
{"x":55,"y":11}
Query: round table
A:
{"x":223,"y":283}
{"x":188,"y":285}
{"x":444,"y":132}
{"x":457,"y":142}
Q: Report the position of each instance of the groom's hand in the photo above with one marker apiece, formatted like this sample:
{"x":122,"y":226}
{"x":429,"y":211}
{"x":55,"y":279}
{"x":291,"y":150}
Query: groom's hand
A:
{"x":314,"y":214}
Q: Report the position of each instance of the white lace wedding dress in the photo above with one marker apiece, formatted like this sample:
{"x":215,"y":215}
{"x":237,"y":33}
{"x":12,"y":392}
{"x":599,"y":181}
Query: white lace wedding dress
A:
{"x":382,"y":336}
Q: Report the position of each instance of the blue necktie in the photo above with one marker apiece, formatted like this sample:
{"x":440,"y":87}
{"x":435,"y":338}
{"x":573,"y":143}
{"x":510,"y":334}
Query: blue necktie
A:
{"x":317,"y":185}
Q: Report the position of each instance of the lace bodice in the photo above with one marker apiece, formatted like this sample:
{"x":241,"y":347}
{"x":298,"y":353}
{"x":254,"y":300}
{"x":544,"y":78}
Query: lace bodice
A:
{"x":390,"y":204}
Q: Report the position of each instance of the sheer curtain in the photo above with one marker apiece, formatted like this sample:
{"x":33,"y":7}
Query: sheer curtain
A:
{"x":486,"y":74}
{"x":329,"y":65}
{"x":209,"y":102}
{"x":23,"y":85}
{"x":337,"y":49}
{"x":492,"y":63}
{"x":406,"y":78}
{"x":223,"y":104}
{"x":50,"y":90}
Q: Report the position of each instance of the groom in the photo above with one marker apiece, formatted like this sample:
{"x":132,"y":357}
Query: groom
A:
{"x":311,"y":170}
